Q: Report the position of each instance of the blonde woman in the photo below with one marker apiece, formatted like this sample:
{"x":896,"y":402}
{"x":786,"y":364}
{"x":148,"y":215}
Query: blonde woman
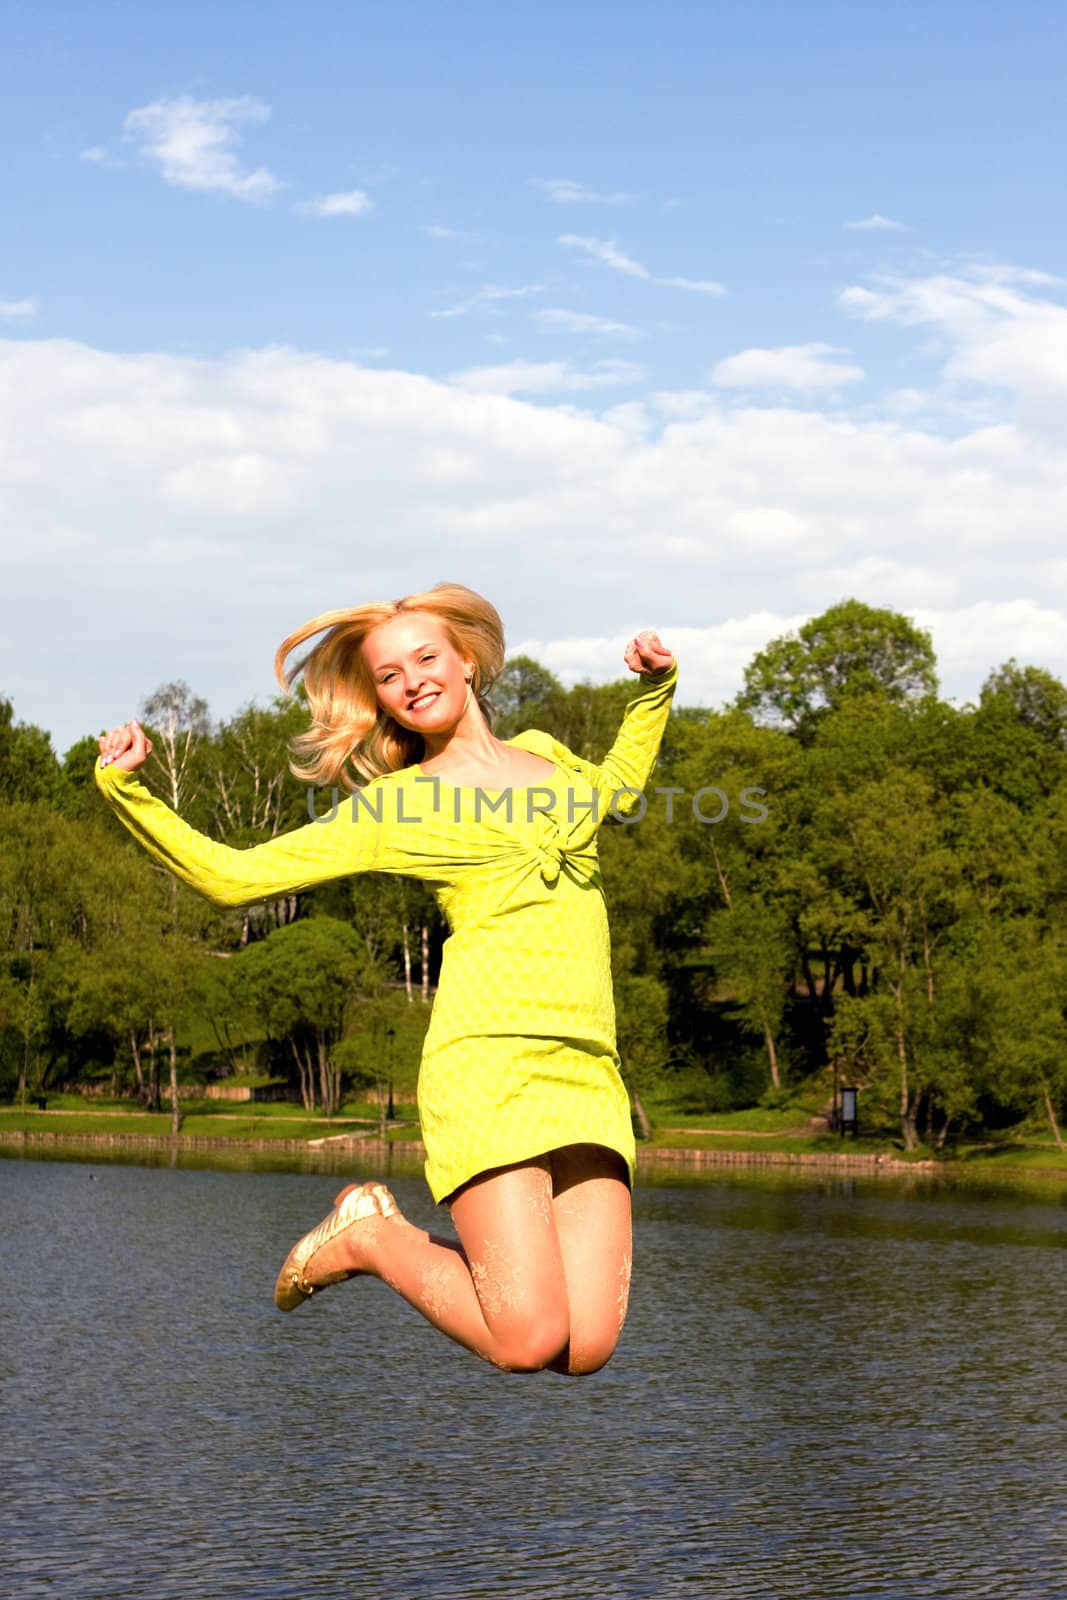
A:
{"x":524,"y":1114}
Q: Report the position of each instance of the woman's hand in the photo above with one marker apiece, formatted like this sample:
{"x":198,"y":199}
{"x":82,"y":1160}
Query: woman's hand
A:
{"x":646,"y":653}
{"x":124,"y":747}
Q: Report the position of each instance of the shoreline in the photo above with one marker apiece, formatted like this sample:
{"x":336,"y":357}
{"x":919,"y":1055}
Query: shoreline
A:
{"x":872,"y":1164}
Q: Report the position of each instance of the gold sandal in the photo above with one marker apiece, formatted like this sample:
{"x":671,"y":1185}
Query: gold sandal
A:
{"x":364,"y":1200}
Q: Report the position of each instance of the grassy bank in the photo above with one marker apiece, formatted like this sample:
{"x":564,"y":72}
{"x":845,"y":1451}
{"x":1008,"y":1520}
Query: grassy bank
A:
{"x":760,"y":1135}
{"x":216,"y":1119}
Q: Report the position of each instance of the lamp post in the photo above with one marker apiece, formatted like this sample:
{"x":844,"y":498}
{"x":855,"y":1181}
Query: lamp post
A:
{"x":850,"y":1111}
{"x":390,"y":1036}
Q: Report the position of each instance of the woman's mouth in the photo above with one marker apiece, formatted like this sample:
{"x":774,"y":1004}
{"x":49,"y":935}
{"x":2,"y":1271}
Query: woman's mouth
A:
{"x":424,"y":701}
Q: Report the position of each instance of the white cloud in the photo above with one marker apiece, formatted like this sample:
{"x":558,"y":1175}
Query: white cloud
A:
{"x":608,"y":254}
{"x":546,"y":377}
{"x":994,"y":326}
{"x":908,"y":401}
{"x":439,"y":231}
{"x":352,"y":203}
{"x":99,"y":155}
{"x":566,"y":192}
{"x":489,"y":295}
{"x":583,"y":322}
{"x":875,"y":222}
{"x":18,"y":308}
{"x":711,"y":659}
{"x":982,"y":636}
{"x":693,"y":285}
{"x":270,"y":485}
{"x":795,"y":366}
{"x":193,"y":143}
{"x":768,"y":527}
{"x":685,"y":404}
{"x":900,"y":584}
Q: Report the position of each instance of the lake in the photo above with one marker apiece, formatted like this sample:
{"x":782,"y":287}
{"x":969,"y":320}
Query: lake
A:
{"x":827,"y":1388}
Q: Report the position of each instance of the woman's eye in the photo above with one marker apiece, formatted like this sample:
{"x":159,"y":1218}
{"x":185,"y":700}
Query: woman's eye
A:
{"x":389,"y":676}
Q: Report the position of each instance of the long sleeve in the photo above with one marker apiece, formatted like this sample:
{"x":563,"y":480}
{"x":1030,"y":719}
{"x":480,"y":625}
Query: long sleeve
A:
{"x":350,"y":841}
{"x":629,"y":763}
{"x":631,"y":759}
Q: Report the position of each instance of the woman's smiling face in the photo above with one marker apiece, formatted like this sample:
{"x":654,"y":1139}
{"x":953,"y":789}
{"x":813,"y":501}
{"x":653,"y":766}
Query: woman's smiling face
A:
{"x":419,"y":675}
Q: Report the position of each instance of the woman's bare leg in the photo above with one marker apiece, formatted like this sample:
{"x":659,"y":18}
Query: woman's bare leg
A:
{"x":501,"y":1291}
{"x":505,"y":1224}
{"x":592,"y":1213}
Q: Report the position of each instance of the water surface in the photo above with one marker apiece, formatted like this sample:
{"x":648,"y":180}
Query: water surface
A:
{"x":826,"y":1389}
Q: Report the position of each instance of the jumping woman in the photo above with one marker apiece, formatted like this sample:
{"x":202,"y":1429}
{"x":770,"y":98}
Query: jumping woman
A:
{"x":525,"y":1117}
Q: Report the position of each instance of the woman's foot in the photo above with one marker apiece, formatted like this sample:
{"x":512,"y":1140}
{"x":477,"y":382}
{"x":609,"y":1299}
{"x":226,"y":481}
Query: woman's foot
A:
{"x":340,"y":1247}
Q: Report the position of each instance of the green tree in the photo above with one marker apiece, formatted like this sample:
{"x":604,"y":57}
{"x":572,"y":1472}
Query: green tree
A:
{"x":1019,"y":733}
{"x":251,"y":795}
{"x":29,"y":769}
{"x":886,"y":846}
{"x":1021,"y":1028}
{"x":113,"y":962}
{"x":36,"y":873}
{"x":851,"y":651}
{"x":641,"y":1031}
{"x":304,"y":981}
{"x":525,"y":695}
{"x":178,"y":724}
{"x":1037,"y":699}
{"x":737,"y":820}
{"x":81,"y":801}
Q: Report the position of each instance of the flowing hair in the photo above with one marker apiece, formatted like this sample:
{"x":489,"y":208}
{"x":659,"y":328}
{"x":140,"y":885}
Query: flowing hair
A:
{"x":351,"y":739}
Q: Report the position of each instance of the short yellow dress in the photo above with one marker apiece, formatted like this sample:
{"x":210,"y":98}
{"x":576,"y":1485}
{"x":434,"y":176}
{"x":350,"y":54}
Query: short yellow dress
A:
{"x":520,"y":1055}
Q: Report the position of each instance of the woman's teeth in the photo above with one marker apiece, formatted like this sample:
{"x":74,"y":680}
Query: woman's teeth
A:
{"x":417,"y":705}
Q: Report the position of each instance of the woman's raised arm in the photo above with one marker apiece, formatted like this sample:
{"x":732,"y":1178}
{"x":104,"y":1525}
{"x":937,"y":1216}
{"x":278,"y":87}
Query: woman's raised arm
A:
{"x":348,"y":842}
{"x":629,"y":762}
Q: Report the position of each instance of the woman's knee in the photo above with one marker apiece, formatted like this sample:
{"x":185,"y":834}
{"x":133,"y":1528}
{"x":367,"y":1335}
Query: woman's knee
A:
{"x":579,"y":1360}
{"x":590,"y":1354}
{"x":535,"y":1342}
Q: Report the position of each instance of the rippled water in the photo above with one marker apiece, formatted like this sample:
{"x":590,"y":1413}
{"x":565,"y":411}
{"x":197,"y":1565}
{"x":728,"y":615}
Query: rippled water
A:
{"x":825,"y":1390}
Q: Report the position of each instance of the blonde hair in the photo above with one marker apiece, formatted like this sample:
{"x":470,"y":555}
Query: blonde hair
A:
{"x":349,"y":729}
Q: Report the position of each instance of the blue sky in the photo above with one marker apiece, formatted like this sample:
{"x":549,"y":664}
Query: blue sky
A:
{"x":696,"y":316}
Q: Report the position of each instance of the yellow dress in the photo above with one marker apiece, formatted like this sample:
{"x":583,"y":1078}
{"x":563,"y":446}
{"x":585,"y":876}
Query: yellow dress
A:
{"x":520,"y":1055}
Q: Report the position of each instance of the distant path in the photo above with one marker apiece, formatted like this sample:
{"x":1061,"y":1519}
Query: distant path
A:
{"x":221,"y":1116}
{"x":816,"y":1125}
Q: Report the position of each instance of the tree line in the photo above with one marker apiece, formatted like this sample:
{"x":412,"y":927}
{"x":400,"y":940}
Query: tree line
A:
{"x":839,"y":874}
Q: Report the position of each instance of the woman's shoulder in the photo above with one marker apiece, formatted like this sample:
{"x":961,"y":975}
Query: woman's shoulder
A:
{"x":543,"y":744}
{"x":532,"y":739}
{"x":536,"y":740}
